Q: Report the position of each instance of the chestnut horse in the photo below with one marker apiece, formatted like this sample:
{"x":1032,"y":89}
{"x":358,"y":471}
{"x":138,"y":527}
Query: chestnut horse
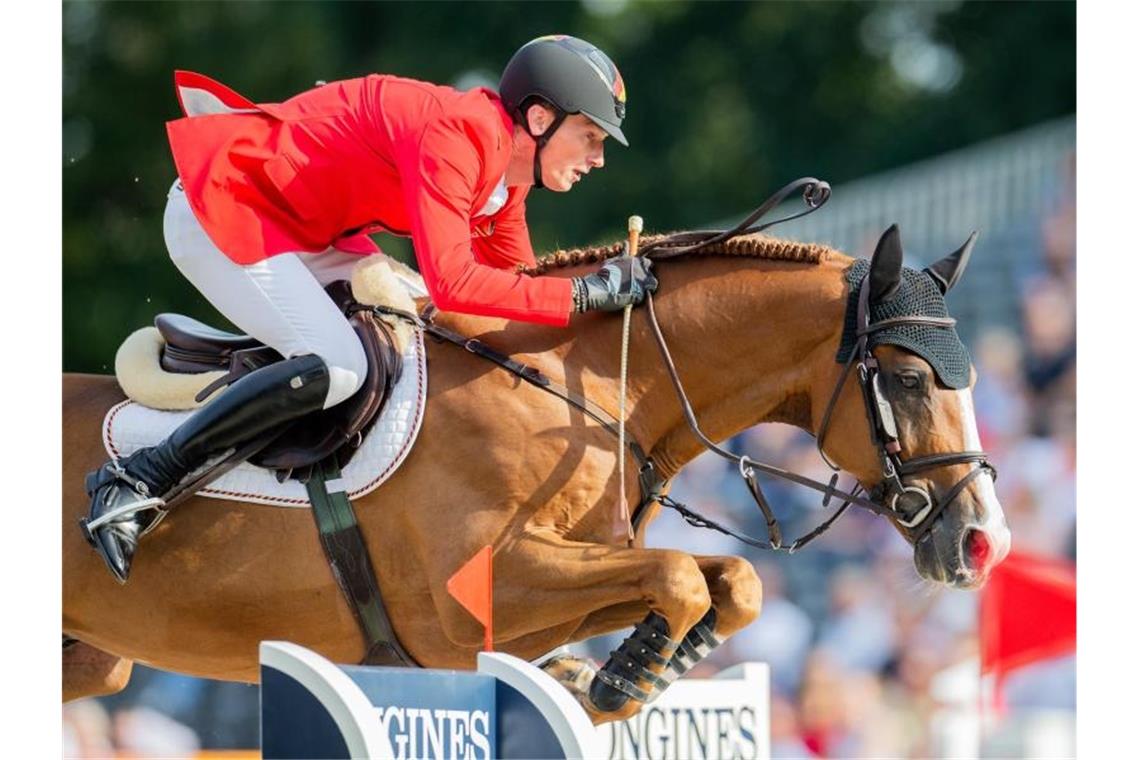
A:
{"x":753,"y":325}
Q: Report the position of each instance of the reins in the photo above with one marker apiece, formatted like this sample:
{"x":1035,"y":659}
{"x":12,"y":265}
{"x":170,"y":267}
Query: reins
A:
{"x":880,"y":416}
{"x":815,"y":193}
{"x":649,"y":483}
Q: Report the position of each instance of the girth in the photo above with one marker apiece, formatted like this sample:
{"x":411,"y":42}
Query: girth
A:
{"x":351,"y":565}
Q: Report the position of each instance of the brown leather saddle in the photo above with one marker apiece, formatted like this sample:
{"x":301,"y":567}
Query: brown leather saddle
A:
{"x":192,"y":347}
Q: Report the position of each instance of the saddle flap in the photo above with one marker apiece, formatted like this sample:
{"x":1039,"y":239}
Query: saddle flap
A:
{"x":193,"y":347}
{"x":313,"y":438}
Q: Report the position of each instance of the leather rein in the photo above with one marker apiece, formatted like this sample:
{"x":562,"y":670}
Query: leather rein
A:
{"x":884,"y":499}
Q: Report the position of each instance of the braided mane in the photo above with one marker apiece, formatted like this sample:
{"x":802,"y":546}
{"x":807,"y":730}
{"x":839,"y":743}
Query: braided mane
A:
{"x":754,"y":246}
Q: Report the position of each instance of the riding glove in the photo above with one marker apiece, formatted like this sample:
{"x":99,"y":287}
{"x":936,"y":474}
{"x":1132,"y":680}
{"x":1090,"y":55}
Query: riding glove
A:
{"x":621,"y":282}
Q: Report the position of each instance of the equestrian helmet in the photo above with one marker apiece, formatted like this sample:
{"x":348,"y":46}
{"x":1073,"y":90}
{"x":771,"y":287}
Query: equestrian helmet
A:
{"x":571,"y":75}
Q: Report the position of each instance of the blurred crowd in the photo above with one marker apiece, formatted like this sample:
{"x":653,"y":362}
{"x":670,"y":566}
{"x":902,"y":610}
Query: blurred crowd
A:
{"x":854,"y":639}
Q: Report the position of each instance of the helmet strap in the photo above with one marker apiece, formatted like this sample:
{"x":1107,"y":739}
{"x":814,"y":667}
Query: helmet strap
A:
{"x":540,"y":143}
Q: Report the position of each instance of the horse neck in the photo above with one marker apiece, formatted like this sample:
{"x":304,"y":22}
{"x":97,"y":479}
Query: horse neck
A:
{"x":752,"y":340}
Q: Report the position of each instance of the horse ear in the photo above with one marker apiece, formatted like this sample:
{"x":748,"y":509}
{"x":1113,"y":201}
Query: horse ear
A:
{"x":886,"y":265}
{"x":946,"y":271}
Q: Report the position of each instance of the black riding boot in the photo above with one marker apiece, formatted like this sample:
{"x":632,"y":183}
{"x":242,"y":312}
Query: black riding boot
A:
{"x":126,"y":499}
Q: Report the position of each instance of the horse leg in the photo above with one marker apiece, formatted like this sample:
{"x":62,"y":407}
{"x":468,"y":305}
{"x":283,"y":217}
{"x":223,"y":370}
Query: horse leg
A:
{"x":577,"y":673}
{"x":91,"y":672}
{"x":556,"y":582}
{"x":733,"y":585}
{"x":736,"y":593}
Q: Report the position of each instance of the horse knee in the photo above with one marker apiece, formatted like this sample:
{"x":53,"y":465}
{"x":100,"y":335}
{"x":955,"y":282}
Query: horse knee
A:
{"x":116,"y":680}
{"x":737,"y":593}
{"x":682,"y":593}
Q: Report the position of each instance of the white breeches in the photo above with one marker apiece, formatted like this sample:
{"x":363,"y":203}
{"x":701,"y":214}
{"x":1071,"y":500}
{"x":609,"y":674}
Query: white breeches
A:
{"x":280,"y":300}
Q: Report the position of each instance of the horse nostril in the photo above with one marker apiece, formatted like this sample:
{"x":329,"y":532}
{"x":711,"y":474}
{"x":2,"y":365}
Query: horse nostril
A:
{"x":977,"y":549}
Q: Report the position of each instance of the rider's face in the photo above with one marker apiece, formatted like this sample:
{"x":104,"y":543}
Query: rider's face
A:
{"x":572,"y":152}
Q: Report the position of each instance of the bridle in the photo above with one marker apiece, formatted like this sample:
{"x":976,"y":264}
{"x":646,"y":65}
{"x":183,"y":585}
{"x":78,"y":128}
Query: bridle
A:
{"x":884,"y":432}
{"x":884,"y":499}
{"x":911,"y":506}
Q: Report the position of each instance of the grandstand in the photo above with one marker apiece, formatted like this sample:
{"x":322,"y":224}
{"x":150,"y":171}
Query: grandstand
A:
{"x":1002,"y":188}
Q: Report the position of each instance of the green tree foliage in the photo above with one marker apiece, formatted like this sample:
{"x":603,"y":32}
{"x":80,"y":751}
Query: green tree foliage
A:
{"x":726,"y":102}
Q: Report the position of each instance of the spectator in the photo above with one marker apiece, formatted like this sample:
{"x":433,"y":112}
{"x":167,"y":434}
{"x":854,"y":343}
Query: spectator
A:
{"x":860,"y":634}
{"x":86,"y":730}
{"x":781,"y":636}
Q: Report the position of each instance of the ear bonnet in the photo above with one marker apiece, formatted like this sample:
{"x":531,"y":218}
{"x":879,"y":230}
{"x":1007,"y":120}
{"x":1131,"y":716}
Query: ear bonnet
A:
{"x":917,"y":295}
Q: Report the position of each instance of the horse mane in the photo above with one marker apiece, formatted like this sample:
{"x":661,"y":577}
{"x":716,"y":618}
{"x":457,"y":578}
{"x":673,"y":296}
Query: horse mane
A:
{"x":753,"y":246}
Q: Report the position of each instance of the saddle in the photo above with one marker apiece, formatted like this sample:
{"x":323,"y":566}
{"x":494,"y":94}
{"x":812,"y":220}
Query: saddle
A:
{"x":192,"y":347}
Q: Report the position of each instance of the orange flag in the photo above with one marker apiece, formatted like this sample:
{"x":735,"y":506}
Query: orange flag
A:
{"x":471,"y":587}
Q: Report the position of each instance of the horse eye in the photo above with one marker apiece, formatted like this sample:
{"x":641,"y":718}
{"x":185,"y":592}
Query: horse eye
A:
{"x":909,"y":380}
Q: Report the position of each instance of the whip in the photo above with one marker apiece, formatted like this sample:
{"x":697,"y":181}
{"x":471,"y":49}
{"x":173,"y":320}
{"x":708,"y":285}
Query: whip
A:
{"x":635,"y":226}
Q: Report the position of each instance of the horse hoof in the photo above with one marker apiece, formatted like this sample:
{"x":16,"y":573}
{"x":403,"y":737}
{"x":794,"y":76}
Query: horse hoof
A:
{"x":606,"y":698}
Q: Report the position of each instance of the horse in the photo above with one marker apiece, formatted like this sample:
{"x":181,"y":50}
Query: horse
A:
{"x":753,"y":324}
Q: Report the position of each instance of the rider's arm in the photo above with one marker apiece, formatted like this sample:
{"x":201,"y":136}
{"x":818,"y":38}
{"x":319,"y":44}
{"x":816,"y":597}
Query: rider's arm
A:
{"x":508,"y":243}
{"x":439,"y":176}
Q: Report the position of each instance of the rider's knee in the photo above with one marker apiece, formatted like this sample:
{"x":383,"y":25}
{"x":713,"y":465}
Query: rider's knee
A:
{"x":348,"y":368}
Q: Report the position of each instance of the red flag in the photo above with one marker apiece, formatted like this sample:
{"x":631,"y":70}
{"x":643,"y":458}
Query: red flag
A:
{"x":1028,"y":612}
{"x":471,"y":587}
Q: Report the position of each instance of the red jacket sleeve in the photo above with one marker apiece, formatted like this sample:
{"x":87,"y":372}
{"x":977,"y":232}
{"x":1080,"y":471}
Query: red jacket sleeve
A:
{"x":439,"y":177}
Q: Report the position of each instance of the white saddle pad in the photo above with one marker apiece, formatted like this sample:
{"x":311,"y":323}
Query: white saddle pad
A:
{"x":130,"y":426}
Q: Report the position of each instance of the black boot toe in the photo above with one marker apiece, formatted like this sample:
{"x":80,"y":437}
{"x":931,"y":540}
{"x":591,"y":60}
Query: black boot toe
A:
{"x":116,"y":541}
{"x":116,"y":553}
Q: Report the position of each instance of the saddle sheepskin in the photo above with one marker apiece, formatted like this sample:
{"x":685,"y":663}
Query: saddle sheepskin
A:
{"x":376,"y":281}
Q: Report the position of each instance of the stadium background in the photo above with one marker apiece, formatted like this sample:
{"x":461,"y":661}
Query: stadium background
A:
{"x":943,"y":117}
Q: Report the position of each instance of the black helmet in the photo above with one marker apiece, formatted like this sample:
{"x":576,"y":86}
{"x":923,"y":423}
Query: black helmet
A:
{"x":570,"y":74}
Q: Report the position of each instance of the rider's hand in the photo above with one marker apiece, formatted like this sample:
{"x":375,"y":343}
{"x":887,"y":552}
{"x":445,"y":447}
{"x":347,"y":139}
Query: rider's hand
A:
{"x":621,"y":282}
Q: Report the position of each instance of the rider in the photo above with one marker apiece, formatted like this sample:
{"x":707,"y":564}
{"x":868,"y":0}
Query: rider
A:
{"x":274,"y":201}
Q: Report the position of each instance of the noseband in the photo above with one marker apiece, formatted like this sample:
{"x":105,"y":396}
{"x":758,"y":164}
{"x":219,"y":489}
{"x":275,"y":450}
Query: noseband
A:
{"x":884,"y":432}
{"x":892,"y":497}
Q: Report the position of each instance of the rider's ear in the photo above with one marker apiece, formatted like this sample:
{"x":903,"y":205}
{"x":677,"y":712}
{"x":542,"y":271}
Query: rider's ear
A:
{"x":539,"y":118}
{"x":886,"y":265}
{"x":946,"y":271}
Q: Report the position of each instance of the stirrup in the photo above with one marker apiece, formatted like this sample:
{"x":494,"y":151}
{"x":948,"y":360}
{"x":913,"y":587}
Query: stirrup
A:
{"x":139,"y":487}
{"x":127,"y":510}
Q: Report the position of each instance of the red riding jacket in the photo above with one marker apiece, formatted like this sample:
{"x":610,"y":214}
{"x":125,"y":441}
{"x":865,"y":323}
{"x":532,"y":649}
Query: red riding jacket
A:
{"x":330,"y":165}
